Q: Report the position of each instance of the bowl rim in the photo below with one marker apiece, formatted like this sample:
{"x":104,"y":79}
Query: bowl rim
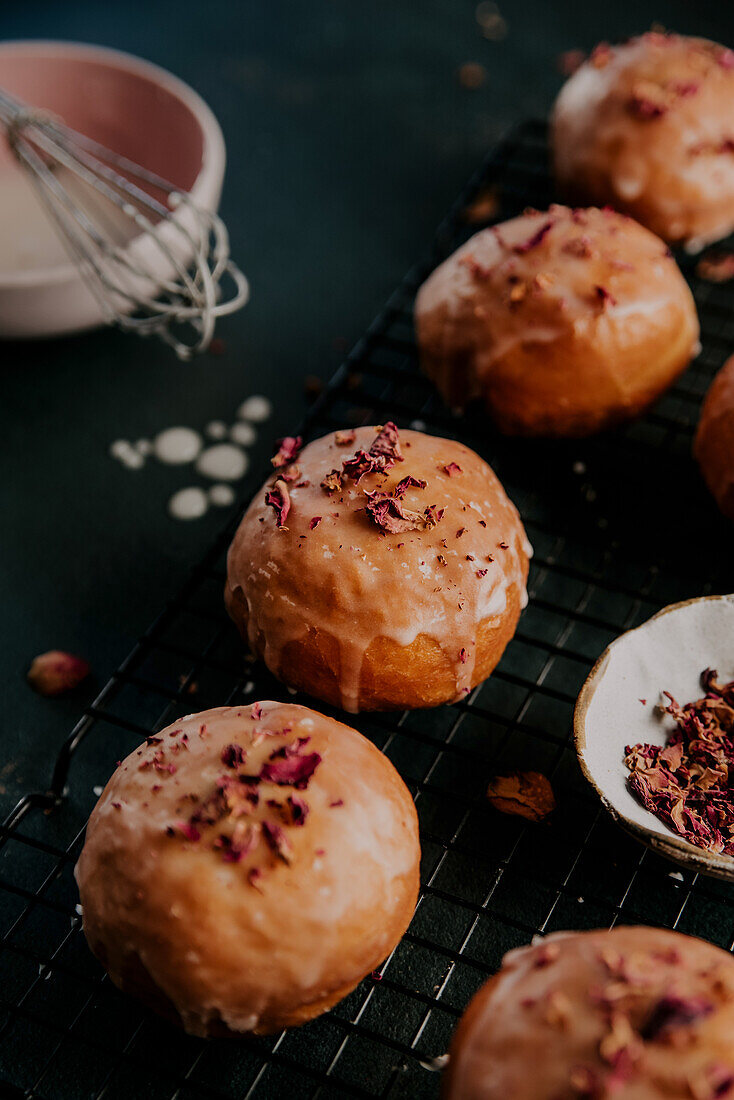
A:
{"x":672,"y":847}
{"x":213,"y":159}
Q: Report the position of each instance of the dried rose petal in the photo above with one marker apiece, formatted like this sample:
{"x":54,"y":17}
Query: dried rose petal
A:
{"x":601,"y":55}
{"x":233,"y":755}
{"x":278,"y":498}
{"x":287,"y":451}
{"x":536,"y":238}
{"x":527,"y":794}
{"x":604,"y":297}
{"x":452,"y":469}
{"x":685,"y":783}
{"x":298,"y":809}
{"x":313,"y":523}
{"x":672,"y":1012}
{"x":277,"y":840}
{"x":433,"y":515}
{"x":408,"y":482}
{"x":332,"y":482}
{"x":55,"y":672}
{"x":477,"y":269}
{"x":648,"y":101}
{"x":290,"y":766}
{"x":578,"y":246}
{"x":391,"y":515}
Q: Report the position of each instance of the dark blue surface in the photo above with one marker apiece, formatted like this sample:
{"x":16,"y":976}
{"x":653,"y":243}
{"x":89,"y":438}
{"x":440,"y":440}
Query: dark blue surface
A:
{"x":348,"y":134}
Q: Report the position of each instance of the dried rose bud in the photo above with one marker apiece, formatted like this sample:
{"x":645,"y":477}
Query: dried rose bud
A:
{"x":56,"y":672}
{"x":526,"y":794}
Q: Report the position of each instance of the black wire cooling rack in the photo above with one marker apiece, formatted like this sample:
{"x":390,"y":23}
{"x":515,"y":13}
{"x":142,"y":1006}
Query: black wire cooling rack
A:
{"x":621,"y":525}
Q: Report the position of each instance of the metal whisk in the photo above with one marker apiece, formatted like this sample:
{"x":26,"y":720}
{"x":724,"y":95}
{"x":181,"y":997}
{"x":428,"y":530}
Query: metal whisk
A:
{"x":164,"y":278}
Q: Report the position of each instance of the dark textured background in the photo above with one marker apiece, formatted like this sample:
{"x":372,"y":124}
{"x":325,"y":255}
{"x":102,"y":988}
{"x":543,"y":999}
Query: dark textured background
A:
{"x":348,"y":134}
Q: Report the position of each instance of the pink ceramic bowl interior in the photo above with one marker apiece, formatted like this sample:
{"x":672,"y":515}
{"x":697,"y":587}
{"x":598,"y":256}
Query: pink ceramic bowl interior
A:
{"x":128,"y":105}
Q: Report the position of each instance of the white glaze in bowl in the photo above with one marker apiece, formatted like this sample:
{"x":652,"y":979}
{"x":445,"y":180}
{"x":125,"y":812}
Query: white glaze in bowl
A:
{"x":133,"y":107}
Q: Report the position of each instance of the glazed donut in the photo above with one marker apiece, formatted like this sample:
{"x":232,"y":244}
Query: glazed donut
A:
{"x":636,"y":1012}
{"x":647,"y":127}
{"x":563,"y":322}
{"x":247,"y":867}
{"x":713,"y":445}
{"x":393,"y":575}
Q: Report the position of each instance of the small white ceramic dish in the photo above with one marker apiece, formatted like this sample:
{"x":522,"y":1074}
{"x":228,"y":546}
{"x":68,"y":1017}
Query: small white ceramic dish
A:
{"x":667,"y":653}
{"x":134,"y":108}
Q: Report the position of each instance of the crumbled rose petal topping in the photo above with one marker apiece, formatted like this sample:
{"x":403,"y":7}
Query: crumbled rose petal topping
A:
{"x":382,"y":455}
{"x":278,"y":498}
{"x":287,"y":451}
{"x":236,"y":796}
{"x":535,"y":238}
{"x":290,"y":765}
{"x":233,"y":756}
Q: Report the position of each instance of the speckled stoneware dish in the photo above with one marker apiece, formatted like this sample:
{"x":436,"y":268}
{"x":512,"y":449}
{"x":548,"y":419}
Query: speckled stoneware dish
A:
{"x":666,"y":653}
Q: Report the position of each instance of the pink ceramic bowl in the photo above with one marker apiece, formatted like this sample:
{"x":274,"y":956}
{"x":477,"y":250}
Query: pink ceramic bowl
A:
{"x":134,"y":108}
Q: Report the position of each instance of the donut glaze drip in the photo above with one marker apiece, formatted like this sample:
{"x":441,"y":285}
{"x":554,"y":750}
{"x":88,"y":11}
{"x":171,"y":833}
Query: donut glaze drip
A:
{"x":333,"y":570}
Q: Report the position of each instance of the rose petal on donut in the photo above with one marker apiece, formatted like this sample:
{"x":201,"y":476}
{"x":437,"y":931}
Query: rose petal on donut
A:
{"x":391,"y":515}
{"x":278,"y":841}
{"x":287,"y":450}
{"x":289,"y":766}
{"x":233,"y":755}
{"x":278,"y":498}
{"x":673,"y":1012}
{"x":406,"y":483}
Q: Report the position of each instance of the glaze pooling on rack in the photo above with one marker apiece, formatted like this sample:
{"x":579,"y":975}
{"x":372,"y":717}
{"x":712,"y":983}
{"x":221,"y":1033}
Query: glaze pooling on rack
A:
{"x":348,"y":579}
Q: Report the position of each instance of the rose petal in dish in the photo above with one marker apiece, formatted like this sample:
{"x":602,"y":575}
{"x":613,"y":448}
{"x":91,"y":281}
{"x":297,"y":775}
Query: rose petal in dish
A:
{"x":618,"y":706}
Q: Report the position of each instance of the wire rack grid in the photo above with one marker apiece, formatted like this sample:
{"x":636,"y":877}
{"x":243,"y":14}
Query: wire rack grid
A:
{"x":620,"y":526}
